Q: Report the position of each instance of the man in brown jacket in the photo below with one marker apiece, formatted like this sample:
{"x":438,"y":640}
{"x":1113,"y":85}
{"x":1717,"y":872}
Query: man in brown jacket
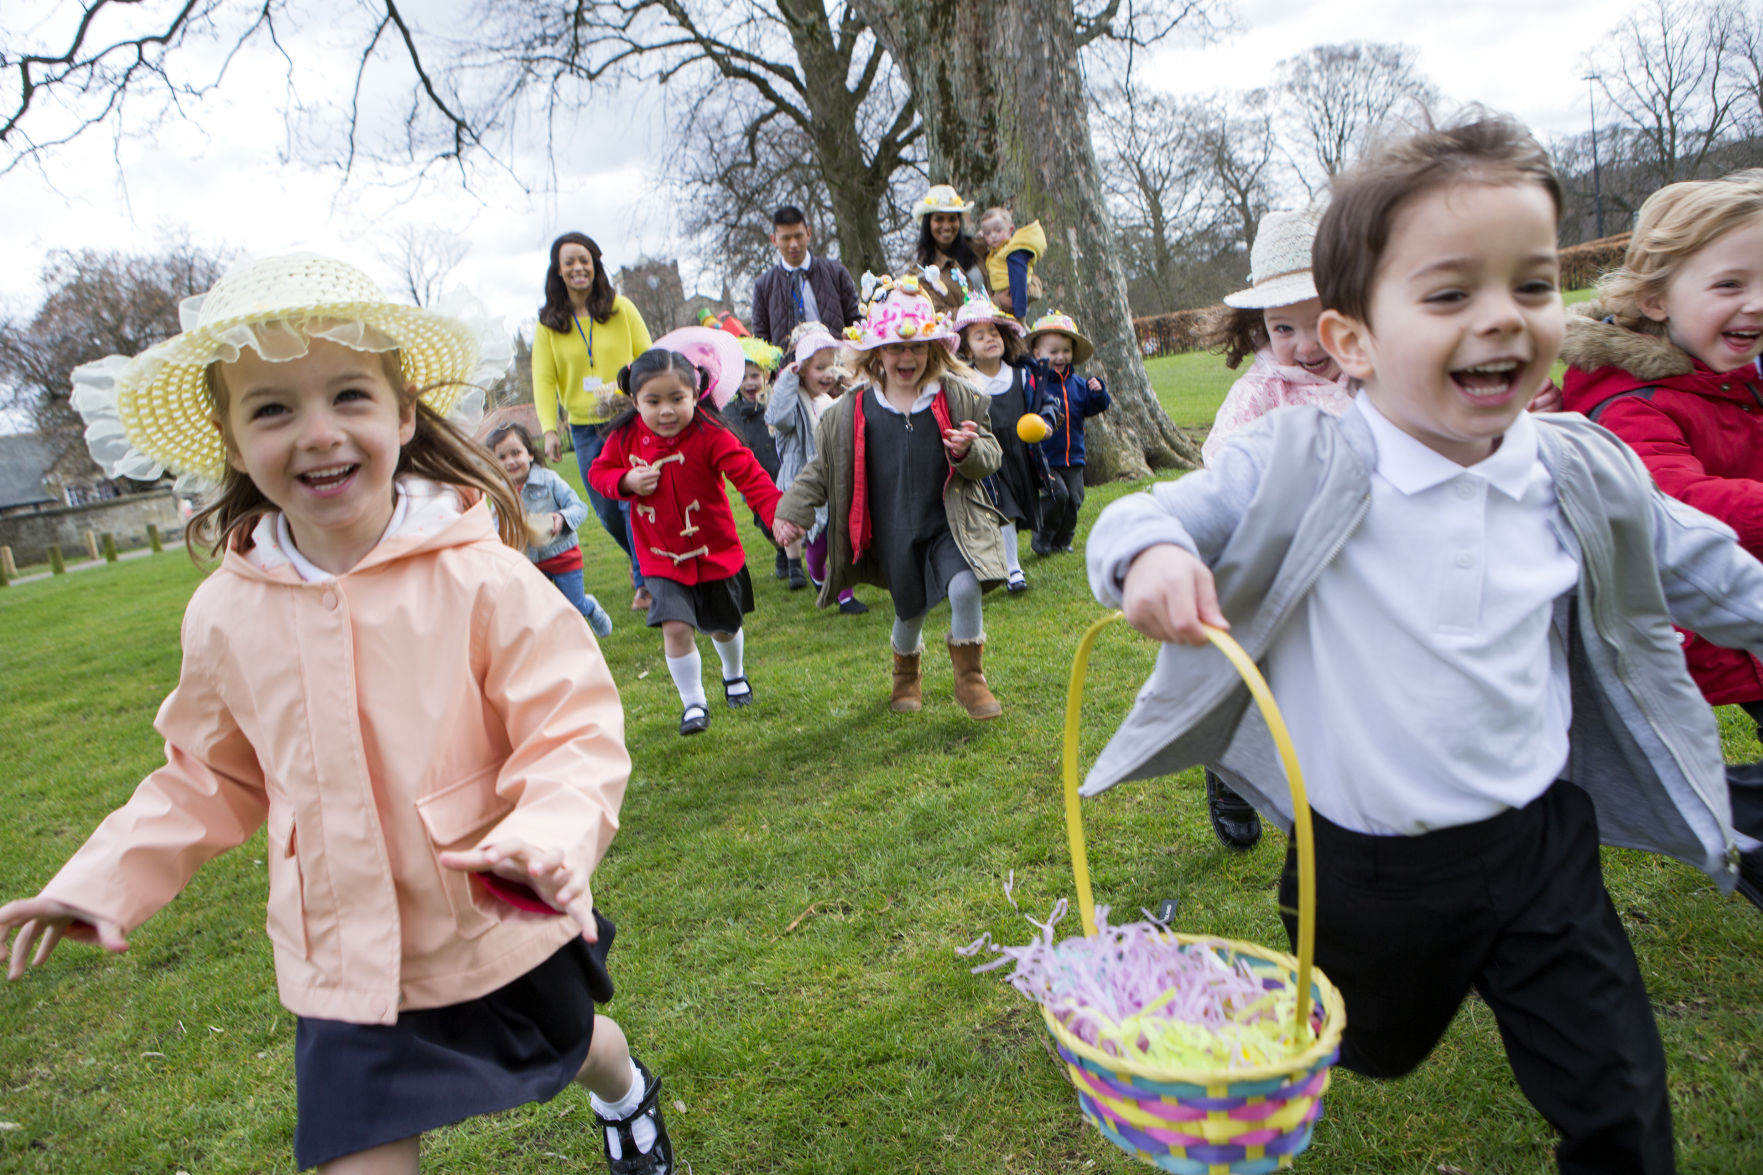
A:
{"x":800,"y":286}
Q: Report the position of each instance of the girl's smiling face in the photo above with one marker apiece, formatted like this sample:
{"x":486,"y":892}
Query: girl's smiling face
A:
{"x":752,"y":381}
{"x":1713,"y":305}
{"x":984,"y":343}
{"x":666,"y":403}
{"x":1291,"y":332}
{"x":512,"y":455}
{"x":817,"y":373}
{"x":903,"y":363}
{"x":319,"y":436}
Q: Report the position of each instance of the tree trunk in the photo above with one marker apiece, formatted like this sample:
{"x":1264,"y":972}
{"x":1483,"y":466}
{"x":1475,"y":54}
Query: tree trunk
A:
{"x":1002,"y":102}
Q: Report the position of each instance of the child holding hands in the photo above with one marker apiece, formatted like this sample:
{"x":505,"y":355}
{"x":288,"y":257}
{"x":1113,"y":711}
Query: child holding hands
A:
{"x":667,"y":457}
{"x":376,"y":671}
{"x":899,"y":464}
{"x":1463,"y":609}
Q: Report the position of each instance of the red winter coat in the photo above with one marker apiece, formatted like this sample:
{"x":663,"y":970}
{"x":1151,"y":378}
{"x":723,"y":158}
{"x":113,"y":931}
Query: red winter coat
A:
{"x":685,"y":531}
{"x":1700,"y":434}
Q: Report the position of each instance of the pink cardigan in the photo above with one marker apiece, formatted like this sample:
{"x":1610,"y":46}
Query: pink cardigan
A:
{"x":439,"y":694}
{"x":1268,"y":385}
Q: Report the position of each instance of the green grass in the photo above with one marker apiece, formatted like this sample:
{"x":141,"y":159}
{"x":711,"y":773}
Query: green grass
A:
{"x":789,"y":889}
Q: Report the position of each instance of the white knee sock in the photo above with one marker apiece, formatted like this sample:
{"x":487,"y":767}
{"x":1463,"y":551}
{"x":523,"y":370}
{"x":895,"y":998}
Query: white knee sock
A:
{"x":1012,"y":561}
{"x":642,"y":1130}
{"x":688,"y":677}
{"x":731,"y":651}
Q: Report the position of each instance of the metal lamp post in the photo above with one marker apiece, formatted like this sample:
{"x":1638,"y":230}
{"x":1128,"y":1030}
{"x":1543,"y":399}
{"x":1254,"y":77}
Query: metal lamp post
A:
{"x":1597,"y":172}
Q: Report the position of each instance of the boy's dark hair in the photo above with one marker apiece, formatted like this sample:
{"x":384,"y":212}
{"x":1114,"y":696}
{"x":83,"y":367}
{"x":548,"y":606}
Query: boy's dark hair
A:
{"x":1234,"y":333}
{"x":556,"y":314}
{"x":1355,"y":231}
{"x":787,"y":214}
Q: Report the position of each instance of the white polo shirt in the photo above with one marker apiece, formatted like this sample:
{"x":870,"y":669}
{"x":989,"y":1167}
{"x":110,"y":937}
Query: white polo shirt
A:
{"x":1420,"y":677}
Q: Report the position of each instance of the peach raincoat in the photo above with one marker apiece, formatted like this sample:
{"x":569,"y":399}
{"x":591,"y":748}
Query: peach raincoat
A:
{"x":439,"y":694}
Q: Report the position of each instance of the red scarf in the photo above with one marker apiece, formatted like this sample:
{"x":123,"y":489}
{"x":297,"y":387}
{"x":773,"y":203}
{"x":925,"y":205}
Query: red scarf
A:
{"x":859,"y":520}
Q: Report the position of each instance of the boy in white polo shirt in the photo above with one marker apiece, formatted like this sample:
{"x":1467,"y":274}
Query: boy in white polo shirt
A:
{"x":1465,"y":612}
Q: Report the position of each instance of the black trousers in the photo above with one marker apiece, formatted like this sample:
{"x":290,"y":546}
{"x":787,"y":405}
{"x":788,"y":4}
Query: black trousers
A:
{"x":1514,"y":907}
{"x":1059,"y":515}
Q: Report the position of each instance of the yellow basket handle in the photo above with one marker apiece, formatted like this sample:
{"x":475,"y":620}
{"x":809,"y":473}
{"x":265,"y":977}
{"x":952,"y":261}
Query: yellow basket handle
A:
{"x":1074,"y":824}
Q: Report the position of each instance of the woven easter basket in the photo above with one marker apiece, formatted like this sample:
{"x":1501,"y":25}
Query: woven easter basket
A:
{"x":1210,"y":1121}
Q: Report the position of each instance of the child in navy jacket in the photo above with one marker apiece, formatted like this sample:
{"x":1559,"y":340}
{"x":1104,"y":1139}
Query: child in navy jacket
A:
{"x":1056,"y":349}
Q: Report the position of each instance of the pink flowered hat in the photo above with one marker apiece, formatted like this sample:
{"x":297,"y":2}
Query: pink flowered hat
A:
{"x":978,"y":308}
{"x":899,"y":313}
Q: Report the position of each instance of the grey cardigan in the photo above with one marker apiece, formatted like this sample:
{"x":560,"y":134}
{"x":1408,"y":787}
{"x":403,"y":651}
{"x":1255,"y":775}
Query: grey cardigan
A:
{"x":1643,"y":742}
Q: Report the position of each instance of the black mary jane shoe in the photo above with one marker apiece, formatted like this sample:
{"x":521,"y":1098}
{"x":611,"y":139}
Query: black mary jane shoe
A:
{"x":695,"y":719}
{"x":1234,"y":820}
{"x":736,"y":701}
{"x":658,"y":1159}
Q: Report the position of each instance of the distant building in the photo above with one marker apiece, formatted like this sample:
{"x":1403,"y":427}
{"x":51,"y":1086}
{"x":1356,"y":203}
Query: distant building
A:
{"x":41,"y":471}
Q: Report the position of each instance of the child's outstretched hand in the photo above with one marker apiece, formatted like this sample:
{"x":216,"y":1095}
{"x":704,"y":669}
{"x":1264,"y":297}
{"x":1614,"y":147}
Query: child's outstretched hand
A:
{"x":1095,"y":384}
{"x":1169,"y":594}
{"x":541,"y":869}
{"x":641,"y":481}
{"x":54,"y":921}
{"x":957,"y":441}
{"x":786,"y":532}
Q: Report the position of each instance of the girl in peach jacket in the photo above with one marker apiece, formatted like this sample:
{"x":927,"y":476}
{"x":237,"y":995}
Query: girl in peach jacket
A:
{"x":377,"y":672}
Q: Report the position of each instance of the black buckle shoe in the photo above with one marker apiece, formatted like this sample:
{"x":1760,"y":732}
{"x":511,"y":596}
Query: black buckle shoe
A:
{"x":695,"y":719}
{"x":1234,"y":821}
{"x":736,"y":701}
{"x":658,"y":1159}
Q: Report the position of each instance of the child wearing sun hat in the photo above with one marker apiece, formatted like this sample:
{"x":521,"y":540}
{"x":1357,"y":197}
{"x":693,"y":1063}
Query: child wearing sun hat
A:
{"x":1056,"y":349}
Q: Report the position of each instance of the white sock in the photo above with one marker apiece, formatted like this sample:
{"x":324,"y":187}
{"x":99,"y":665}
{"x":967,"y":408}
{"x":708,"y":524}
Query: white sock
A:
{"x":1012,"y":561}
{"x":730,"y":651}
{"x":688,"y":677}
{"x":642,"y":1130}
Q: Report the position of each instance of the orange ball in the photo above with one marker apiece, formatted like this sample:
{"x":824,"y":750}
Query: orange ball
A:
{"x":1033,"y":428}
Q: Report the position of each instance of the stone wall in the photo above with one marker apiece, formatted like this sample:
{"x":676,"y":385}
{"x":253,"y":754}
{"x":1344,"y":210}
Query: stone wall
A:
{"x":29,"y":535}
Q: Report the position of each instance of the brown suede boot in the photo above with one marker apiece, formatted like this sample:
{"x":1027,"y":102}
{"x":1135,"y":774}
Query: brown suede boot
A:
{"x":908,"y":683}
{"x":970,"y":680}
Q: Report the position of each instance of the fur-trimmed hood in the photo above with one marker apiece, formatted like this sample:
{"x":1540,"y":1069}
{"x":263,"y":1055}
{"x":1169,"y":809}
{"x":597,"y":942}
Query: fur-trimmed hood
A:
{"x":1646,"y":353}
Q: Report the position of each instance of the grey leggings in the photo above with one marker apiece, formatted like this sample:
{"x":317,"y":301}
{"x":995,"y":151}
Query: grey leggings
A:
{"x":965,"y":623}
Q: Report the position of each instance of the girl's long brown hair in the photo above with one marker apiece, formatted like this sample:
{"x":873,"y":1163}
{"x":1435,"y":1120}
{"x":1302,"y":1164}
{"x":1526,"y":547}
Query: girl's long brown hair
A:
{"x":439,"y":451}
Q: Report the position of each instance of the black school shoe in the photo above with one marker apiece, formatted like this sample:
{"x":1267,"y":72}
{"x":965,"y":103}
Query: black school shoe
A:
{"x":735,"y":701}
{"x":853,"y":607}
{"x":658,"y":1159}
{"x":695,"y":719}
{"x":781,"y":570}
{"x":1234,"y":821}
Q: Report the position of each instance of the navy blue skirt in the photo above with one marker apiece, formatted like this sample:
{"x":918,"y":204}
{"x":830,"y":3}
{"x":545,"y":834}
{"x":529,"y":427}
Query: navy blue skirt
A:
{"x":363,"y":1085}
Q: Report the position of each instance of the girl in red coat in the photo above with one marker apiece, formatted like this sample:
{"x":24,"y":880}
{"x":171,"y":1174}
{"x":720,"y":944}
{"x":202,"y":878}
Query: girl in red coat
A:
{"x":1666,"y":358}
{"x":667,"y":457}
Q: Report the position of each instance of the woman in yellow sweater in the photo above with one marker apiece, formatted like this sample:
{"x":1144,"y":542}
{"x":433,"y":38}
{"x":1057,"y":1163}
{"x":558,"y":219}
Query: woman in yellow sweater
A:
{"x":586,"y":333}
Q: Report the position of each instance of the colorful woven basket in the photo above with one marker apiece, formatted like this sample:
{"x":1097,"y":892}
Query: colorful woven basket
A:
{"x":1199,"y":1121}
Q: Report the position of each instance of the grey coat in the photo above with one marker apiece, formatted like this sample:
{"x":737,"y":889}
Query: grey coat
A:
{"x":1643,"y":742}
{"x":547,"y":493}
{"x":828,"y":480}
{"x":791,"y":421}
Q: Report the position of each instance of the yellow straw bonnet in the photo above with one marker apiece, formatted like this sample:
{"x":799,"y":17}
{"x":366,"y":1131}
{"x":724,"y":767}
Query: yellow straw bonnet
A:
{"x":152,"y":413}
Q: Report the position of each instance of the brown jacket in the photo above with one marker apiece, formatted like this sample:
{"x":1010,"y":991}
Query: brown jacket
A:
{"x":828,"y":480}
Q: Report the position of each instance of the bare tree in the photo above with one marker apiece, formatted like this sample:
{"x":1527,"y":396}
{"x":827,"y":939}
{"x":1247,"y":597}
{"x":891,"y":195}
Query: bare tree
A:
{"x":423,"y":257}
{"x":1744,"y":66}
{"x":94,"y":304}
{"x":1001,"y":97}
{"x":1242,"y":145}
{"x":1664,"y":71}
{"x":1338,"y":98}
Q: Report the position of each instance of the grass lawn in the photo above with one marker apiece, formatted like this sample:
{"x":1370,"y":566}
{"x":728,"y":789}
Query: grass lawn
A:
{"x":790,"y":889}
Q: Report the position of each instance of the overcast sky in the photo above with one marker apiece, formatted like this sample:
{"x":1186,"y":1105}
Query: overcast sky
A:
{"x":224,"y":177}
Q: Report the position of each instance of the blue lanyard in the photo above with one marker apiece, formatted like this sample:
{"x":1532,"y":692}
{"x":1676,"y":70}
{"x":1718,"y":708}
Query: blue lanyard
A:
{"x":587,"y":339}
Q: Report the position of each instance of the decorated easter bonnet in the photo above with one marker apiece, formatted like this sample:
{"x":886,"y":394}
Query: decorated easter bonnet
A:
{"x":978,"y":308}
{"x":152,"y":413}
{"x":714,"y":351}
{"x":811,"y":344}
{"x":940,"y":198}
{"x":1279,"y":264}
{"x":1056,"y":322}
{"x":898,"y":312}
{"x":761,"y":353}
